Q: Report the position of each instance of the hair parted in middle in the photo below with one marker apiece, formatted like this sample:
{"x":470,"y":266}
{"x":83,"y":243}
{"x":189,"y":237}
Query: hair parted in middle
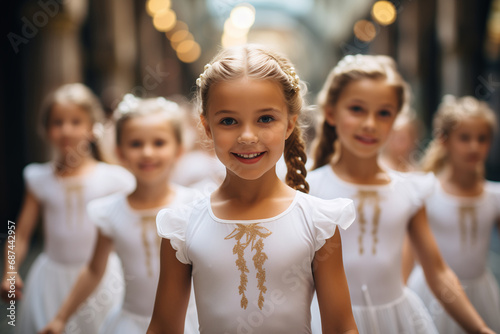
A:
{"x":258,"y":62}
{"x":352,"y":68}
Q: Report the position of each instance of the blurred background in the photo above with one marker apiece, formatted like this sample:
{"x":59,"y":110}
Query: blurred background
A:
{"x":159,"y":47}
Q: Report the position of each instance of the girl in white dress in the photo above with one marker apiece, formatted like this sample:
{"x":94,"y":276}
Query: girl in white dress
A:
{"x":256,"y":247}
{"x":59,"y":191}
{"x":463,"y":208}
{"x":360,"y":101}
{"x":149,"y":142}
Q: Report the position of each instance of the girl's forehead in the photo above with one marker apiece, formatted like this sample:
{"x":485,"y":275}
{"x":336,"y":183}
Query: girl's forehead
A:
{"x":477,"y":123}
{"x":60,"y":109}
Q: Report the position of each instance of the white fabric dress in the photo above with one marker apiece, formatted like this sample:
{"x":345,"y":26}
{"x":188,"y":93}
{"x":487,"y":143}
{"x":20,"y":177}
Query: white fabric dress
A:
{"x":254,"y":276}
{"x":371,"y":250}
{"x":138,"y":246}
{"x":462,"y":227}
{"x":69,"y":238}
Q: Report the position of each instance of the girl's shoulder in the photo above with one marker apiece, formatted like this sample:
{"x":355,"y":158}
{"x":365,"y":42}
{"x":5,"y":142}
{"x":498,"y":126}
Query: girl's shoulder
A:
{"x":114,"y":175}
{"x":339,"y":210}
{"x":37,"y":170}
{"x":105,"y":210}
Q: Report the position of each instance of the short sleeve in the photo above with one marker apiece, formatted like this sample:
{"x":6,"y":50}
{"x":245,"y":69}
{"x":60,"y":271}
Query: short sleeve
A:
{"x":328,"y":214}
{"x":34,"y":176}
{"x":418,"y":186}
{"x":99,"y":211}
{"x":171,"y":224}
{"x":121,"y":178}
{"x":494,"y":188}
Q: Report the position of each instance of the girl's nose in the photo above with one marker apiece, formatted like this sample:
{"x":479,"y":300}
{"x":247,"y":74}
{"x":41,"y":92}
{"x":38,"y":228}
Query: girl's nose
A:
{"x":248,"y":136}
{"x":147,"y":150}
{"x":369,"y":122}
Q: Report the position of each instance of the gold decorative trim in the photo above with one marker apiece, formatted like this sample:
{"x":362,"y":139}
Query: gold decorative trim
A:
{"x":254,"y":235}
{"x":365,"y":196}
{"x":463,"y":212}
{"x":148,"y":223}
{"x":75,"y":204}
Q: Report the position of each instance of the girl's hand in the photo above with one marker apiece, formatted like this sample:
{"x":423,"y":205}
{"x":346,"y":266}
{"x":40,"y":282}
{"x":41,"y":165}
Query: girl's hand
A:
{"x":56,"y":326}
{"x":11,"y":288}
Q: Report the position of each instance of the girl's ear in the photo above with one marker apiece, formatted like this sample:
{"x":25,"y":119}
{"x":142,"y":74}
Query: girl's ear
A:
{"x":204,"y":122}
{"x":329,"y":112}
{"x":291,"y":125}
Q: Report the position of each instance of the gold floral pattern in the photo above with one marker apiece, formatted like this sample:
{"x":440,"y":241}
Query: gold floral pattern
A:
{"x":245,"y":235}
{"x":368,"y":196}
{"x":463,"y":212}
{"x":148,"y":223}
{"x":75,"y":204}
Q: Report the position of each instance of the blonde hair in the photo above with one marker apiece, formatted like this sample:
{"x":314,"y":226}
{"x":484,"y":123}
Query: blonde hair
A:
{"x":81,"y":96}
{"x":349,"y":69}
{"x":133,"y":107}
{"x":258,"y":62}
{"x":450,"y":113}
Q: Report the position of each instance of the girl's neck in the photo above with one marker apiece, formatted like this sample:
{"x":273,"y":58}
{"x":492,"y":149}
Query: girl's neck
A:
{"x":74,"y":165}
{"x":150,"y":196}
{"x":359,"y":170}
{"x":251,"y":191}
{"x":460,"y":182}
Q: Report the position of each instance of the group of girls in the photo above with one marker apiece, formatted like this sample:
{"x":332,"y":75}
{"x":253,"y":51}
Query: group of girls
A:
{"x":259,"y":255}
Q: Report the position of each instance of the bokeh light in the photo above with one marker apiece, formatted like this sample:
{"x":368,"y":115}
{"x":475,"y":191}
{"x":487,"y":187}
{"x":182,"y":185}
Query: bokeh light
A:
{"x":242,"y":16}
{"x":155,"y":6}
{"x":365,"y":30}
{"x":164,"y":20}
{"x":188,"y":51}
{"x":384,"y":12}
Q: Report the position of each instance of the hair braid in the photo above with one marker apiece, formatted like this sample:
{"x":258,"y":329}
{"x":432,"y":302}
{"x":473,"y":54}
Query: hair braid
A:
{"x":295,"y":158}
{"x":325,"y":149}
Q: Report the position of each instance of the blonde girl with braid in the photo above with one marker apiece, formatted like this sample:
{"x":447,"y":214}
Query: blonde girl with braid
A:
{"x":256,"y":248}
{"x":149,"y":138}
{"x":464,"y":207}
{"x":360,"y":100}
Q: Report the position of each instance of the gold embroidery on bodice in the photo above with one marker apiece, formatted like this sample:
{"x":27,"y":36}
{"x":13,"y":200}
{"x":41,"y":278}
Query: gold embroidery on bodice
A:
{"x":463,"y":212}
{"x":365,"y":196}
{"x":148,"y":223}
{"x":254,"y":235}
{"x":75,"y":204}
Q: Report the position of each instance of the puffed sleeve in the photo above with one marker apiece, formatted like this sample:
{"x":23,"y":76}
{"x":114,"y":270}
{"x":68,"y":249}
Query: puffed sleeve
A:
{"x":328,"y":214}
{"x":171,"y":224}
{"x":34,"y":176}
{"x":123,"y":180}
{"x":100,"y":213}
{"x":494,"y":188}
{"x":418,"y":186}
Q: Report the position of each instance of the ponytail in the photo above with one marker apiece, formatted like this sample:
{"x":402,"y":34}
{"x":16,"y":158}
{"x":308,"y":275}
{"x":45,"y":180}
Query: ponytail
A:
{"x":295,"y":159}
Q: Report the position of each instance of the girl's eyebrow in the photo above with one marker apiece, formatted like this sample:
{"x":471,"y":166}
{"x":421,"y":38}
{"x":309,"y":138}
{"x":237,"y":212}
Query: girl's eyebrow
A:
{"x":264,"y":110}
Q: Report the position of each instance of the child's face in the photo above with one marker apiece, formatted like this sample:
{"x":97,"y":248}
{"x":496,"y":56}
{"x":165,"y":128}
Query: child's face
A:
{"x":363,"y":116}
{"x":69,"y":128}
{"x":148,"y":147}
{"x":468,"y":144}
{"x":248,"y":121}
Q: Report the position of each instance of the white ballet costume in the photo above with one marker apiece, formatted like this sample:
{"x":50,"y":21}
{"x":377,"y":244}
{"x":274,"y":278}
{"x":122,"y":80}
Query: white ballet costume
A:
{"x":254,"y":276}
{"x":371,"y":250}
{"x":69,"y":238}
{"x":462,"y":227}
{"x":138,"y":246}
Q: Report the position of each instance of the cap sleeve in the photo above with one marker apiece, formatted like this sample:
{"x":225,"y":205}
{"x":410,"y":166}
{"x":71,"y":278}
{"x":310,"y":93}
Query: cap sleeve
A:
{"x":34,"y":176}
{"x":327,"y":214}
{"x":171,"y":224}
{"x":420,"y":186}
{"x":98,"y":211}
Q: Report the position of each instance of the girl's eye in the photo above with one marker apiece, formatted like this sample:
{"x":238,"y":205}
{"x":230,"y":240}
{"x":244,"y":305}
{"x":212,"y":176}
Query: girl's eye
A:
{"x":385,"y":113}
{"x":355,"y":108}
{"x":266,"y":119}
{"x":76,"y":122}
{"x":464,"y":137}
{"x":159,"y":142}
{"x":228,"y":121}
{"x":483,"y":138}
{"x":135,"y":143}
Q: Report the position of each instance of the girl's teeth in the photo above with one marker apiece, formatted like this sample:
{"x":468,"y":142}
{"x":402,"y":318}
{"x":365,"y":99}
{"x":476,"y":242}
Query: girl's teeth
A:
{"x":248,"y":156}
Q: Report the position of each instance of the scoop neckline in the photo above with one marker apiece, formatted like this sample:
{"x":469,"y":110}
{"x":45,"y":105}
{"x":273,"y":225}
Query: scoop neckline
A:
{"x":360,"y":185}
{"x":461,"y":199}
{"x":253,"y":221}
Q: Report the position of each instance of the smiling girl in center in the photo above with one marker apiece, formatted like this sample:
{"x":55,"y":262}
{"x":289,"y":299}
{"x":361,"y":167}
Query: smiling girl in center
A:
{"x":252,"y":240}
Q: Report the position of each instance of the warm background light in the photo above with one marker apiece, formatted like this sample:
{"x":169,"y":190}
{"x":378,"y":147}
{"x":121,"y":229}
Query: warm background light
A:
{"x":384,"y":12}
{"x":243,"y":16}
{"x":164,"y":20}
{"x":365,"y":30}
{"x":155,"y":6}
